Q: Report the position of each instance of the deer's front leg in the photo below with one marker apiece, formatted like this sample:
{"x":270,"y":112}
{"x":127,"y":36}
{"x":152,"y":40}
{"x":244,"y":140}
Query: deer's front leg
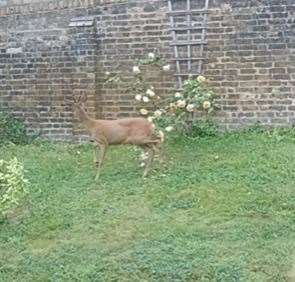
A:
{"x":102,"y":151}
{"x":96,"y":155}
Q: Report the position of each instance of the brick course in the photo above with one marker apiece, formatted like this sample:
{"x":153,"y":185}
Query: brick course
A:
{"x":48,"y":53}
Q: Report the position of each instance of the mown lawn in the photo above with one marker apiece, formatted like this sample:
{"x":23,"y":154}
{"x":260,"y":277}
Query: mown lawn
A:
{"x":216,"y":209}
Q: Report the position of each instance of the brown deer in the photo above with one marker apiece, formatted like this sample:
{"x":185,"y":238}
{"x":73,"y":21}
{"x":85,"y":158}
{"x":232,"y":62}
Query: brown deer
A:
{"x":134,"y":131}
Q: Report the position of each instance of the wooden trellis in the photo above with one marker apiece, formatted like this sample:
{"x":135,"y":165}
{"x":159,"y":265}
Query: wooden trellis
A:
{"x":188,"y":27}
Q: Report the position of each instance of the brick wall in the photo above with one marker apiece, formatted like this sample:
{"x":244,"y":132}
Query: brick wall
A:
{"x":251,"y":61}
{"x":44,"y":60}
{"x":130,"y":31}
{"x":49,"y":51}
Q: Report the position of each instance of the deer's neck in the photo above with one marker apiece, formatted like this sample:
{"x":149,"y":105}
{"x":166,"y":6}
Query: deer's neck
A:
{"x":84,"y":118}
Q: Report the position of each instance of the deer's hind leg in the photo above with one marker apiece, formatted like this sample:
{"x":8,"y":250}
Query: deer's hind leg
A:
{"x":100,"y":151}
{"x":158,"y":150}
{"x":150,"y":149}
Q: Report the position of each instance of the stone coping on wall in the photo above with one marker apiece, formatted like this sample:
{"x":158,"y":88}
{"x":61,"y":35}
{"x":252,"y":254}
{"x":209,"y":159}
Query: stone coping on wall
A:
{"x":53,"y":5}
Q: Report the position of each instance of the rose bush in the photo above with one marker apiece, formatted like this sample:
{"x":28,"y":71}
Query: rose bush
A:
{"x":176,"y":111}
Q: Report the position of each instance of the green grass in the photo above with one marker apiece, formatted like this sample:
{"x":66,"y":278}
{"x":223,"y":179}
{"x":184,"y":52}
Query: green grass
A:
{"x":216,"y":209}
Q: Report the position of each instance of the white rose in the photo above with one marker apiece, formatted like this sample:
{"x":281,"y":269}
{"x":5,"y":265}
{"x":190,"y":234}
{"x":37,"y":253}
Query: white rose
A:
{"x":206,"y":105}
{"x":166,"y":68}
{"x":201,"y":79}
{"x":150,"y":119}
{"x":150,"y":93}
{"x":136,"y":70}
{"x":172,"y":107}
{"x":157,"y":113}
{"x":144,"y":112}
{"x":190,"y":107}
{"x":169,"y":128}
{"x":177,"y":95}
{"x":181,"y":103}
{"x":151,"y":56}
{"x":145,"y":99}
{"x":138,"y":97}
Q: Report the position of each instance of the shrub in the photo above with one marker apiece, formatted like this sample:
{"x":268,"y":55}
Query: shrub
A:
{"x":12,"y":185}
{"x":12,"y":130}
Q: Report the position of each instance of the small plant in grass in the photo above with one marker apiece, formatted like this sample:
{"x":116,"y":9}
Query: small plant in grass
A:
{"x":203,"y":128}
{"x":12,"y":130}
{"x":13,"y":185}
{"x":176,"y":111}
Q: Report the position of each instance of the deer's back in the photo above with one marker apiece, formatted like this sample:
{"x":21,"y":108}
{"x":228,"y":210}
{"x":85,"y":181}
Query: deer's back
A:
{"x":125,"y":131}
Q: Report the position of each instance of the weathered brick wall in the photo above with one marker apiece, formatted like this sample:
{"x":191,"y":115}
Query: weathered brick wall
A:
{"x":130,"y":31}
{"x":44,"y":61}
{"x":251,"y":61}
{"x":46,"y":56}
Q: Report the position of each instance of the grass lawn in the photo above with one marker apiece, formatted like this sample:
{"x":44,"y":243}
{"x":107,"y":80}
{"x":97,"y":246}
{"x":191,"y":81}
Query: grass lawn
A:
{"x":217,"y":209}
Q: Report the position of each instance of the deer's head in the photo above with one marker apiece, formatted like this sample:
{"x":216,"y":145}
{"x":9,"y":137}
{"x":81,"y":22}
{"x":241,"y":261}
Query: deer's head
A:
{"x":79,"y":106}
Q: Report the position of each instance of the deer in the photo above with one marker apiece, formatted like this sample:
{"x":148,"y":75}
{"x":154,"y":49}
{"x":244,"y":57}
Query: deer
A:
{"x":125,"y":131}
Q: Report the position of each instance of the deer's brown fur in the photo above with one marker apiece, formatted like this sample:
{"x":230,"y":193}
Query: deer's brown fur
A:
{"x":134,"y":131}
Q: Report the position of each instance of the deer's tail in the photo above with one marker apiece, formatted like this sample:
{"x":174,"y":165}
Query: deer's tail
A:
{"x":159,"y":136}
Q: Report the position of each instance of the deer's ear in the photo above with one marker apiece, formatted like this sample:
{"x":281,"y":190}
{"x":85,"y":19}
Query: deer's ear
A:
{"x":83,"y":98}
